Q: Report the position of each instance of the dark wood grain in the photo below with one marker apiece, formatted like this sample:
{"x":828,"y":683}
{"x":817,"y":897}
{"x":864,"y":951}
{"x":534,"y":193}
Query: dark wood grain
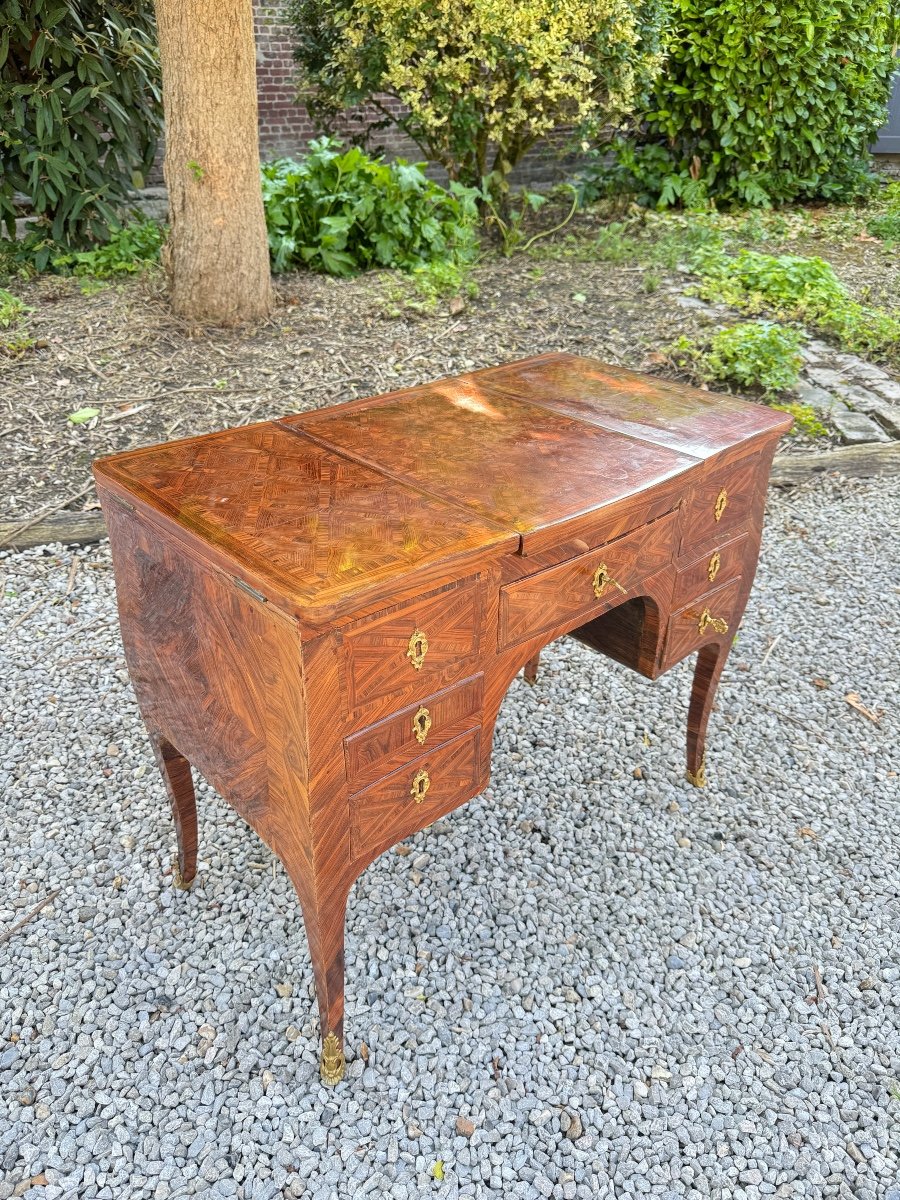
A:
{"x":300,"y":601}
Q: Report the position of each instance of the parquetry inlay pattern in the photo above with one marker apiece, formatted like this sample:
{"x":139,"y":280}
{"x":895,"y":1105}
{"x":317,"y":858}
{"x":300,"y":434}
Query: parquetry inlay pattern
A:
{"x":319,"y":522}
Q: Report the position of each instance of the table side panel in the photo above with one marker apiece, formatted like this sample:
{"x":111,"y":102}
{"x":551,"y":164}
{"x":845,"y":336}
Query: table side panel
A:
{"x":214,"y":673}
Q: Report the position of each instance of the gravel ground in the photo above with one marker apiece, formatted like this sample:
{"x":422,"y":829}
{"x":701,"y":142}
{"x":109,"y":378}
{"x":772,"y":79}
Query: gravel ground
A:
{"x":583,"y":984}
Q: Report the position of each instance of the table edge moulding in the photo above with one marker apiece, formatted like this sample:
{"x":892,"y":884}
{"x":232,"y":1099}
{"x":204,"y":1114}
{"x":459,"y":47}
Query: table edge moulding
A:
{"x":323,"y":613}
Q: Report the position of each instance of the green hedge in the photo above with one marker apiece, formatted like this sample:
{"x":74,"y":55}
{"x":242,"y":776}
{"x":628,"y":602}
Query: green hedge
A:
{"x":80,"y":113}
{"x":764,"y":102}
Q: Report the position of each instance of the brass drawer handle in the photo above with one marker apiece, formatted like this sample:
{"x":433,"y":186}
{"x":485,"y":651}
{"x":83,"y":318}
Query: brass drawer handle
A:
{"x":421,"y":723}
{"x":720,"y":505}
{"x":602,"y":580}
{"x":420,"y":785}
{"x":712,"y":569}
{"x":707,"y":620}
{"x":418,"y":648}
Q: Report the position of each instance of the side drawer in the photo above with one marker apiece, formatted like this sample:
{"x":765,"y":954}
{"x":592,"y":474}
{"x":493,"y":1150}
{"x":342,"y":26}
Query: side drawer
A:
{"x":425,"y":724}
{"x":703,"y":619}
{"x":425,"y":644}
{"x":714,"y":567}
{"x":720,"y":501}
{"x":587,"y":585}
{"x":414,"y":796}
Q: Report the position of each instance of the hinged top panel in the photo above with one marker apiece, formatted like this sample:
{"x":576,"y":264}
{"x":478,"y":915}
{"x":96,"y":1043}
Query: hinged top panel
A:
{"x":657,"y":410}
{"x":307,"y":526}
{"x":508,"y":460}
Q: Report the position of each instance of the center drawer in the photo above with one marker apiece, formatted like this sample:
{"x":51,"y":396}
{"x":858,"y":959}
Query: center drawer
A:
{"x":585,"y":586}
{"x":415,"y":795}
{"x":425,"y":724}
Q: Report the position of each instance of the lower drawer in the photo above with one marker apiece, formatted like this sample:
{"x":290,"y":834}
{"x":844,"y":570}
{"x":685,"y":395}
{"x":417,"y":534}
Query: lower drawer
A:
{"x":414,"y":796}
{"x":709,"y":616}
{"x":426,"y":724}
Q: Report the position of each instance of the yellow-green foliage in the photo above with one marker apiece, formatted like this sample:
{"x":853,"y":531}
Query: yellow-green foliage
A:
{"x":480,"y":80}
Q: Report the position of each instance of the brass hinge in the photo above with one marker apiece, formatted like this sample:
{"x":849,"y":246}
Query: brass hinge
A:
{"x":251,"y":591}
{"x":121,"y":501}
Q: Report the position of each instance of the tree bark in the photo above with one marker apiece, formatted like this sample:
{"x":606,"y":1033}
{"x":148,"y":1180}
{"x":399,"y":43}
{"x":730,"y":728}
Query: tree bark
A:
{"x":216,"y":255}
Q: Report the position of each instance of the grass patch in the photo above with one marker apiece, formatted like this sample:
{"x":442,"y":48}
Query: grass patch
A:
{"x":794,"y":287}
{"x":422,"y":289}
{"x":13,"y":311}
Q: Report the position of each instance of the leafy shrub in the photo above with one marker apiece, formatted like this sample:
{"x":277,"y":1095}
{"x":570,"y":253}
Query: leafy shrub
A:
{"x":12,"y":311}
{"x":341,"y":212}
{"x":478,"y":82}
{"x":798,"y":288}
{"x":424,"y":287}
{"x":130,"y":249}
{"x":755,"y":354}
{"x":763,"y":103}
{"x":79,"y":115}
{"x":886,"y":225}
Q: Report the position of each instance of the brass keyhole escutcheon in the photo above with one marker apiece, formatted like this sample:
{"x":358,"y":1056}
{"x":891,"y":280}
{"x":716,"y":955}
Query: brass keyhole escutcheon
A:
{"x":713,"y":569}
{"x":418,"y":648}
{"x":720,"y":505}
{"x":420,"y":785}
{"x":421,"y":725}
{"x":707,"y":620}
{"x":602,"y":580}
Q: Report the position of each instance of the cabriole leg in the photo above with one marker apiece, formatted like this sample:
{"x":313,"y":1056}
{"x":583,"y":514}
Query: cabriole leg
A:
{"x":324,"y":914}
{"x":176,"y":773}
{"x":708,"y":669}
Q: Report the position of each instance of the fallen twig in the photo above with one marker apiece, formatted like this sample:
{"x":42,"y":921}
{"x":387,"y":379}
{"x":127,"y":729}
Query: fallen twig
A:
{"x":4,"y":937}
{"x":25,"y":615}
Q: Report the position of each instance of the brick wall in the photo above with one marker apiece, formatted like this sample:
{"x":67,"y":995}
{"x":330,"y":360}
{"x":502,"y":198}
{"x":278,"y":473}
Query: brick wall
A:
{"x":284,"y":127}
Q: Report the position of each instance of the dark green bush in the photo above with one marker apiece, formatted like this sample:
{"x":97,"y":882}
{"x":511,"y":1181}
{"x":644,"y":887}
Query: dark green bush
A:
{"x":762,"y":103}
{"x":79,"y":115}
{"x":340,"y":211}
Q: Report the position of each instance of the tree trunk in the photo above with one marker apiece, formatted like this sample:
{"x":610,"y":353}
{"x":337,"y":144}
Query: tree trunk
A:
{"x":216,"y":256}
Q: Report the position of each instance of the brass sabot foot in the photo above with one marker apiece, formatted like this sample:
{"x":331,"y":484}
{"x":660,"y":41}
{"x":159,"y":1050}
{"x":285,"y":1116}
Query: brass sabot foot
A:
{"x":698,"y":777}
{"x":333,"y":1062}
{"x":178,"y":879}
